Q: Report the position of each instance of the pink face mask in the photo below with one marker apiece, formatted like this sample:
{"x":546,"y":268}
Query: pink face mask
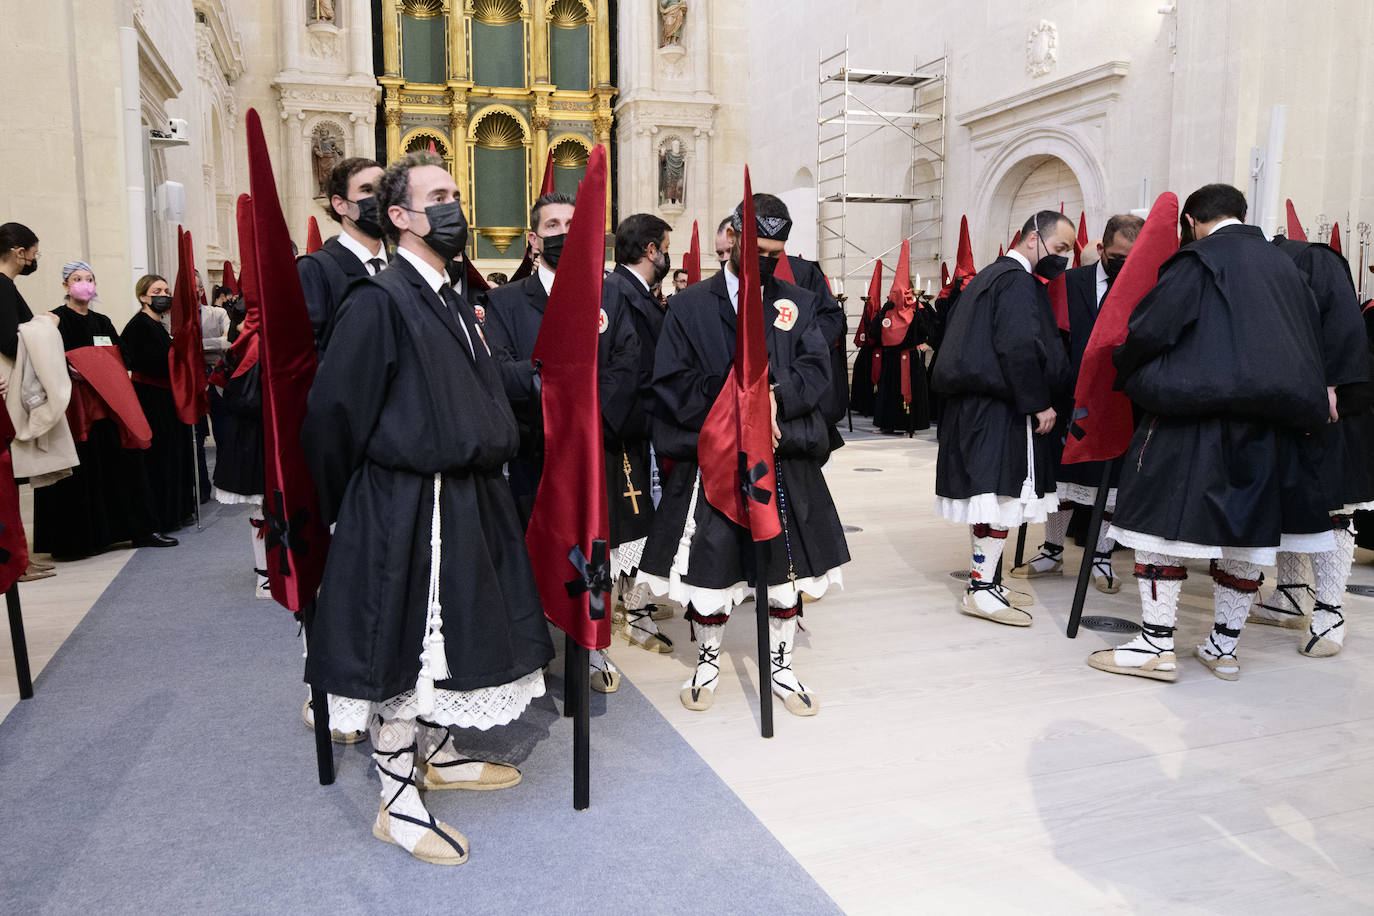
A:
{"x":82,"y":290}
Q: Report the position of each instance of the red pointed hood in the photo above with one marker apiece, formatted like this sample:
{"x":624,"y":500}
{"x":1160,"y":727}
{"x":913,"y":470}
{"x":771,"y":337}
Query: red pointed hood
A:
{"x":228,"y":279}
{"x":1336,"y":238}
{"x":900,"y":295}
{"x":186,"y":359}
{"x":313,"y":242}
{"x":944,"y":275}
{"x":784,"y":269}
{"x":246,"y":345}
{"x":1080,"y":243}
{"x":871,"y":307}
{"x":1102,"y":424}
{"x":547,"y":186}
{"x":692,"y":262}
{"x":1015,"y":240}
{"x":1295,"y":230}
{"x":569,"y":528}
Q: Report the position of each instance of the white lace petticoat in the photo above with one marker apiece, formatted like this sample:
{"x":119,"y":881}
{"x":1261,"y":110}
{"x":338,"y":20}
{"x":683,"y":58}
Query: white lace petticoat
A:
{"x":483,"y":708}
{"x":995,"y":510}
{"x":227,"y":498}
{"x":721,"y":600}
{"x":1319,"y":542}
{"x":625,"y":558}
{"x":1084,"y":495}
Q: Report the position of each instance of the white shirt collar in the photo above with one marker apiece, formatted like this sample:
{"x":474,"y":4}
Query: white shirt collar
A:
{"x":1101,"y":282}
{"x":732,"y":287}
{"x":433,"y":277}
{"x":1021,"y":258}
{"x":1226,"y":222}
{"x":359,"y":250}
{"x":642,"y":282}
{"x":546,"y":278}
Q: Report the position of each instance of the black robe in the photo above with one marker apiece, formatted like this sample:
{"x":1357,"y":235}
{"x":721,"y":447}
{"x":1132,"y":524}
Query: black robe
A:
{"x":1345,"y":471}
{"x":14,"y":311}
{"x":1224,"y":359}
{"x":239,"y":459}
{"x":401,"y":398}
{"x":105,"y":500}
{"x":890,"y":410}
{"x":1000,"y":361}
{"x":514,"y":314}
{"x":862,"y":389}
{"x":168,"y":463}
{"x":325,"y":277}
{"x":834,"y":327}
{"x":624,"y":297}
{"x":694,"y":356}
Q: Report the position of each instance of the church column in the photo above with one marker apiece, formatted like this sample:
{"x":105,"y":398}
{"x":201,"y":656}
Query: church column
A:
{"x":458,"y":143}
{"x":540,"y":120}
{"x":291,"y":28}
{"x":391,"y":39}
{"x":539,"y":45}
{"x":601,"y":74}
{"x":359,"y":23}
{"x":457,"y":44}
{"x":393,"y":125}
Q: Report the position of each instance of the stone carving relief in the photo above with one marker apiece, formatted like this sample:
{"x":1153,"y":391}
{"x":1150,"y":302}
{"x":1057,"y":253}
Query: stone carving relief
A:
{"x":672,"y":173}
{"x":1042,"y":49}
{"x":672,"y":19}
{"x":324,"y":45}
{"x":326,"y":152}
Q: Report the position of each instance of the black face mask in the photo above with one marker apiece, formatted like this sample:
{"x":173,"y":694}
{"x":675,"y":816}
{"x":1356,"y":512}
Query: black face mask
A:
{"x":1051,"y":266}
{"x":767,"y":267}
{"x":1112,"y":264}
{"x":551,"y":250}
{"x":448,"y":229}
{"x":29,"y":268}
{"x":161,"y":304}
{"x":661,"y":268}
{"x":367,"y":219}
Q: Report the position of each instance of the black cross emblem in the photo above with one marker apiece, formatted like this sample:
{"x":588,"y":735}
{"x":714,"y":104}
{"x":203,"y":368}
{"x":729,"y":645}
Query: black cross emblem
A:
{"x":286,"y":533}
{"x":749,"y":478}
{"x":593,"y":577}
{"x":1078,"y":432}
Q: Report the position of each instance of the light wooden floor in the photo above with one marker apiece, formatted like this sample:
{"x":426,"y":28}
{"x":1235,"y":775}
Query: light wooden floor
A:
{"x":961,"y":766}
{"x":958,"y":766}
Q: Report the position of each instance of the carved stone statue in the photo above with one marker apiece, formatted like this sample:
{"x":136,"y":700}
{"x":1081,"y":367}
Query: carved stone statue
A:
{"x":672,"y":174}
{"x":327,"y":152}
{"x":320,"y":10}
{"x":672,"y":15}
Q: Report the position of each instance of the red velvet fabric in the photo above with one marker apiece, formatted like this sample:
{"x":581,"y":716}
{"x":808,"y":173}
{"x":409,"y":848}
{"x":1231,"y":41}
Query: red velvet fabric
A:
{"x":104,"y":391}
{"x":186,"y":358}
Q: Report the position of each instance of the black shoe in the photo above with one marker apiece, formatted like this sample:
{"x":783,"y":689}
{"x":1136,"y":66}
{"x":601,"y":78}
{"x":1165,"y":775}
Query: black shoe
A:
{"x":155,"y":540}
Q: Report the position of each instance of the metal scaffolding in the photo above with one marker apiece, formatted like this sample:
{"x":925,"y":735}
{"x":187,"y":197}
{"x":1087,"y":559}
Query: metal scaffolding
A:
{"x":852,"y":110}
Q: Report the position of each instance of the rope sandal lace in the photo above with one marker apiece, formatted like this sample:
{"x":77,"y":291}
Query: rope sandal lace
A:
{"x":1218,"y":660}
{"x":698,"y":693}
{"x":641,"y":631}
{"x":438,"y":773}
{"x":1151,"y":654}
{"x":992,"y":601}
{"x":1103,"y":575}
{"x":437,"y":846}
{"x":1050,"y":554}
{"x":1284,"y":607}
{"x":1329,"y":640}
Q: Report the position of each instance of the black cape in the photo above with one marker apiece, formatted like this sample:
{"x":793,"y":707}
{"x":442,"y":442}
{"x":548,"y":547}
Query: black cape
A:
{"x":401,"y":398}
{"x":105,"y":500}
{"x":14,"y":311}
{"x":169,"y":462}
{"x":325,"y":276}
{"x":1345,"y":471}
{"x":695,"y":353}
{"x":834,"y":327}
{"x":514,"y":314}
{"x":1001,"y":360}
{"x":1224,"y":358}
{"x":890,"y":410}
{"x":239,"y":458}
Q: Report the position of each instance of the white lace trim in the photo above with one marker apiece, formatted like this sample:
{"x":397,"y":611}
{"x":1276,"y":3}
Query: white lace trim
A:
{"x":995,"y":510}
{"x":1261,"y":556}
{"x":1354,"y":507}
{"x":483,"y":708}
{"x":1084,"y":495}
{"x":625,"y":558}
{"x":721,"y":600}
{"x":234,"y":499}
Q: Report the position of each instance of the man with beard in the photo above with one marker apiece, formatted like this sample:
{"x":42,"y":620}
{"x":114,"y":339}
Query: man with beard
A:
{"x":428,"y":617}
{"x":695,"y":555}
{"x":514,"y":315}
{"x":1223,"y":360}
{"x":354,"y":253}
{"x":1002,"y":367}
{"x":1086,"y":287}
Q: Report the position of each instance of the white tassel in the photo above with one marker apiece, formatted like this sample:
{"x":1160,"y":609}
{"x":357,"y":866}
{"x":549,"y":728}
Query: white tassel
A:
{"x":1028,"y":485}
{"x":433,"y":659}
{"x":684,"y":544}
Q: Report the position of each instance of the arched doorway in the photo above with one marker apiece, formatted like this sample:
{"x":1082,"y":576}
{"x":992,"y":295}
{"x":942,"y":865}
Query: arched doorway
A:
{"x":1050,"y":185}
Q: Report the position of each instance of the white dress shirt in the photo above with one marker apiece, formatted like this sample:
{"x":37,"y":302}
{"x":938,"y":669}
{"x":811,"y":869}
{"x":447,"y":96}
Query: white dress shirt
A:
{"x":361,"y":252}
{"x":1101,"y":283}
{"x":436,"y":281}
{"x":1021,"y":258}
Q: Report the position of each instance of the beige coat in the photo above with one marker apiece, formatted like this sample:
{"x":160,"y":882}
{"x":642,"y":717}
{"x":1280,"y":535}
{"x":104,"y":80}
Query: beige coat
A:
{"x":39,"y":391}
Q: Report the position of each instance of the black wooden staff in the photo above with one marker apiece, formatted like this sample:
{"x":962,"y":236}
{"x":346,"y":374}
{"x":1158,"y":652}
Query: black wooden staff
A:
{"x":21,"y":645}
{"x":1080,"y":592}
{"x":577,"y":702}
{"x":319,"y":707}
{"x":195,"y":474}
{"x":765,"y":655}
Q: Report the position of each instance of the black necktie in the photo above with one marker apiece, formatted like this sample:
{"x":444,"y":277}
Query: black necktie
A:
{"x":376,"y":265}
{"x":457,"y":310}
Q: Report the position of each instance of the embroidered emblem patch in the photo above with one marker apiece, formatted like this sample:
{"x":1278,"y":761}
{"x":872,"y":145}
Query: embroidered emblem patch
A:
{"x":480,"y":312}
{"x":787,"y":314}
{"x":605,"y":322}
{"x":887,"y":322}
